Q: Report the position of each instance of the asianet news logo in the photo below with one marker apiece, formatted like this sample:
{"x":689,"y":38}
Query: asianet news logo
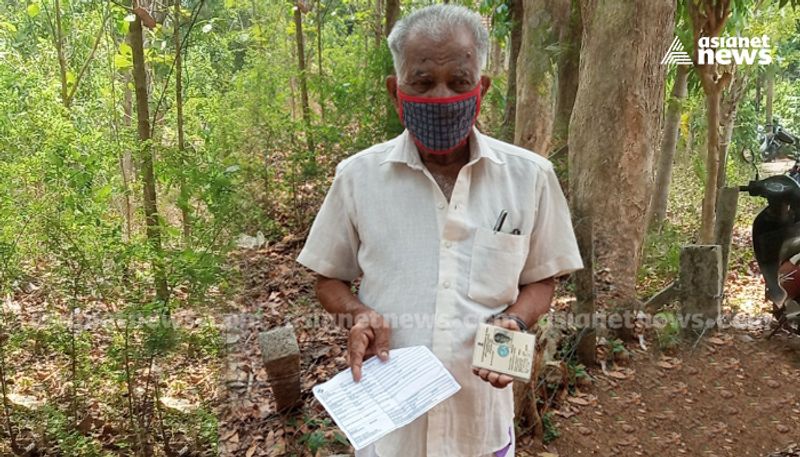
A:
{"x":723,"y":51}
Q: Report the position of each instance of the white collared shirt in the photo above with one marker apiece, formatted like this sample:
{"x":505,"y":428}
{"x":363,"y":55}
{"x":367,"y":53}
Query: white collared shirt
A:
{"x":435,"y":269}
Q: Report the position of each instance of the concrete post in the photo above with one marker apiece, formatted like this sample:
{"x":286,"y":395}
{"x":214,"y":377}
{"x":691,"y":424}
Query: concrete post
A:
{"x":701,"y":286}
{"x":281,"y":356}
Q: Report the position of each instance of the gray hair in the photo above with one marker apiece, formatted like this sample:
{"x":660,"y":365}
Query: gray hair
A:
{"x":436,"y":22}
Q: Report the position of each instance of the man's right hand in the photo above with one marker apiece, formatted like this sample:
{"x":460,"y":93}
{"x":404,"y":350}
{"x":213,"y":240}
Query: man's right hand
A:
{"x":369,"y":336}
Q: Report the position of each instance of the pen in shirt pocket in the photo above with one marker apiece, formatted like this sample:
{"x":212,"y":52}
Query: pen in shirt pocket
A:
{"x":501,"y":219}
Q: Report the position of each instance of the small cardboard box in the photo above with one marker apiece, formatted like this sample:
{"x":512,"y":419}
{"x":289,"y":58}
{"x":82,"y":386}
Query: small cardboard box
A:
{"x":504,"y":351}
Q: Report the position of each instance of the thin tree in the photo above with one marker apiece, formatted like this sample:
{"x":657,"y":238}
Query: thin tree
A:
{"x":669,"y":142}
{"x":729,"y":107}
{"x":153,"y":228}
{"x":536,"y":75}
{"x":770,"y":95}
{"x":708,"y":18}
{"x":392,"y":14}
{"x":568,"y":70}
{"x":320,"y":67}
{"x":515,"y":41}
{"x":300,"y":8}
{"x":183,"y":201}
{"x":68,"y":88}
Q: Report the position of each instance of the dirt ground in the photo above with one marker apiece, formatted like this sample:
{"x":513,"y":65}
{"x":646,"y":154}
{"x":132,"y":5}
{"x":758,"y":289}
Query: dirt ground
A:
{"x":736,"y":395}
{"x":732,"y":394}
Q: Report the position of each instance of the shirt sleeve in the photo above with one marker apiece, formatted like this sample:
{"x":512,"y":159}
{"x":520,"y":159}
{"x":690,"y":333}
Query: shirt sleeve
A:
{"x":553,"y":249}
{"x":331,"y":248}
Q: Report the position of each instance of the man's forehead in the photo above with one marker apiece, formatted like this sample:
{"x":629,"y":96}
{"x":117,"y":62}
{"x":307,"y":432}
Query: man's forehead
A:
{"x":424,"y":50}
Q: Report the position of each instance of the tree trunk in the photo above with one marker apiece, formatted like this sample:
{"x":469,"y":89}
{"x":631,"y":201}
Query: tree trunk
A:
{"x":770,"y":77}
{"x":320,"y":67}
{"x":728,"y":109}
{"x":584,"y":306}
{"x":126,"y":159}
{"x":510,"y":114}
{"x":614,"y":131}
{"x":536,"y":76}
{"x":378,"y":23}
{"x":62,"y":60}
{"x":669,"y":141}
{"x":712,"y":164}
{"x":568,"y":67}
{"x":688,"y":147}
{"x":184,"y":192}
{"x":392,"y":13}
{"x":392,"y":126}
{"x":153,"y":229}
{"x":301,"y":67}
{"x":495,"y":60}
{"x":757,"y":97}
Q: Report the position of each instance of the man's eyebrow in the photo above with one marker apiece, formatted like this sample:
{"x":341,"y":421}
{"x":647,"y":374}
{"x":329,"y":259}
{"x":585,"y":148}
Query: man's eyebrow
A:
{"x":462,"y":73}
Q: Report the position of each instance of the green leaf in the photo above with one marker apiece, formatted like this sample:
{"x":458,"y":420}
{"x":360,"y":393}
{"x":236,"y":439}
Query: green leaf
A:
{"x":33,"y":9}
{"x":122,"y":61}
{"x":123,"y":26}
{"x":103,"y":192}
{"x":8,"y":26}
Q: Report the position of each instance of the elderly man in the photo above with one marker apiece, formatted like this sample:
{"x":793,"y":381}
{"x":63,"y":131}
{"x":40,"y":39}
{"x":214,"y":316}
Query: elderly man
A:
{"x":446,"y":228}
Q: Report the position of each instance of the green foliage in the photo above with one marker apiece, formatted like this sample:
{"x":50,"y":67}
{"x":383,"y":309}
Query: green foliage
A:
{"x":203,"y":342}
{"x":661,"y":256}
{"x":667,"y":329}
{"x":70,"y":441}
{"x":500,"y":12}
{"x":550,"y":428}
{"x":617,"y":346}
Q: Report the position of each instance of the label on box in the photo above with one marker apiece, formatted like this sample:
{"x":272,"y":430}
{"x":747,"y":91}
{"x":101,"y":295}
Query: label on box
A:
{"x":504,"y":351}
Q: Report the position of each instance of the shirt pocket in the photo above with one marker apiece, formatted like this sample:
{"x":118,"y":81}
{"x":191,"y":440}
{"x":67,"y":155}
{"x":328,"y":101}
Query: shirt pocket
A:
{"x":496,"y":264}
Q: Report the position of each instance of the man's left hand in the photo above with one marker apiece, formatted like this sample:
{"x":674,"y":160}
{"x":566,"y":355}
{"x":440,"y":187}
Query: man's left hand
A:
{"x":494,"y":378}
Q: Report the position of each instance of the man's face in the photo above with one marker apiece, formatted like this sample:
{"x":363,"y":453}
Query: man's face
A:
{"x":438,"y":68}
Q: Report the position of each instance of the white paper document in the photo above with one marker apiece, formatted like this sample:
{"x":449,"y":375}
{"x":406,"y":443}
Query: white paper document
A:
{"x":390,"y":394}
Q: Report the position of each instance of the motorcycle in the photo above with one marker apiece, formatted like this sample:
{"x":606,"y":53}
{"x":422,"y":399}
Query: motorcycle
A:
{"x":776,"y":243}
{"x":774,"y":142}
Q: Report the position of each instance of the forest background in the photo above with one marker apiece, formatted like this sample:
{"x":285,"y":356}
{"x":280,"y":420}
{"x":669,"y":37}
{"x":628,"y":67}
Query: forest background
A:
{"x":140,"y":141}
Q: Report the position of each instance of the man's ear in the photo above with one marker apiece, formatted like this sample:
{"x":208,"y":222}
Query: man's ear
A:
{"x":391,"y":87}
{"x":486,"y":83}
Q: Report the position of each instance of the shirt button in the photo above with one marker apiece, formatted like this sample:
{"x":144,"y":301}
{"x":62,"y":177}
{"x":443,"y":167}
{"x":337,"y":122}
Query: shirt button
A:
{"x":441,"y":206}
{"x":458,"y":206}
{"x":448,"y":244}
{"x":446,"y":284}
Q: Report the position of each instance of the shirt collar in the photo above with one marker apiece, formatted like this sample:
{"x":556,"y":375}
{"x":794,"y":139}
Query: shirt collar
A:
{"x":405,"y":151}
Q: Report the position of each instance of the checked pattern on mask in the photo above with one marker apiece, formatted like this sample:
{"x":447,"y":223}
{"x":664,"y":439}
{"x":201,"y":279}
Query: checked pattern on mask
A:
{"x":440,"y":126}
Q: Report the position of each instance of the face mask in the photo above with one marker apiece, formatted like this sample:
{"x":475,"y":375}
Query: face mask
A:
{"x":440,"y":125}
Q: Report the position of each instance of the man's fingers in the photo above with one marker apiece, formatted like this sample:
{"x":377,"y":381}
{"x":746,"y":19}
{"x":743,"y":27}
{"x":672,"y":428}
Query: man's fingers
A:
{"x":483,"y":373}
{"x":495,"y":379}
{"x":507,"y":323}
{"x":356,"y":368}
{"x":356,"y":347}
{"x":503,"y":380}
{"x":382,"y":334}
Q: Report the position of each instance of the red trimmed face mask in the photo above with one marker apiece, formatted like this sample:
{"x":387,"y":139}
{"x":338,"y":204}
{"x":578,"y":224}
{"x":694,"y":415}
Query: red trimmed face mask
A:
{"x":440,"y":125}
